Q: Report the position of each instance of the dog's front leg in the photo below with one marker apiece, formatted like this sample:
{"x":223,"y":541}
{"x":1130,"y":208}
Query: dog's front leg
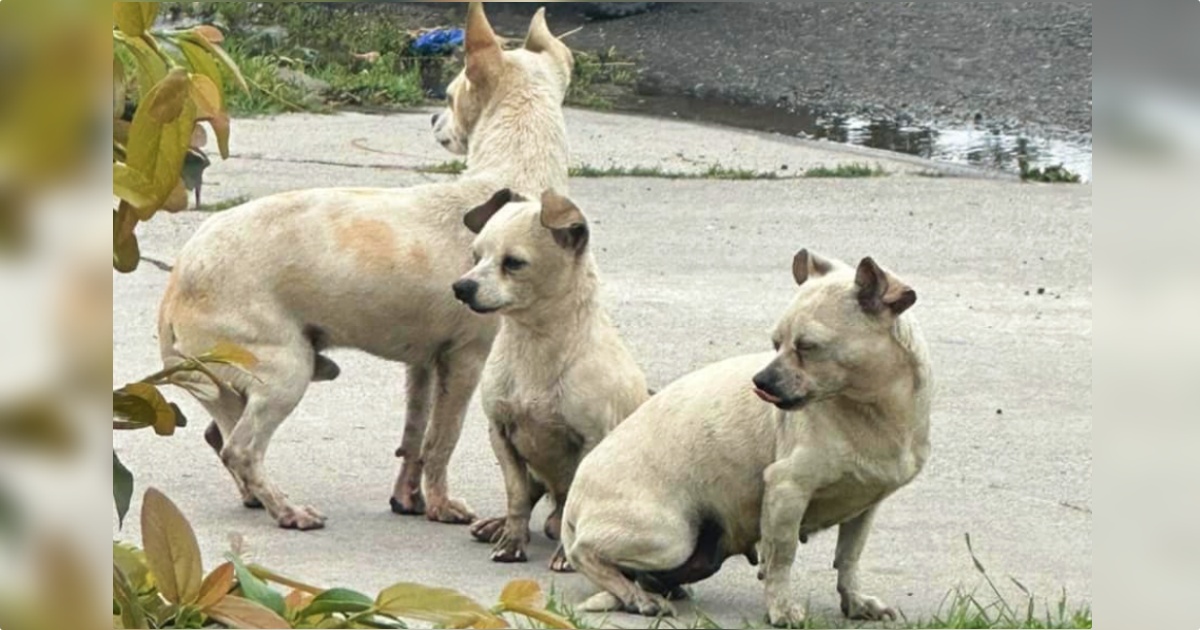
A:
{"x":510,"y":545}
{"x":852,"y":537}
{"x":784,"y":503}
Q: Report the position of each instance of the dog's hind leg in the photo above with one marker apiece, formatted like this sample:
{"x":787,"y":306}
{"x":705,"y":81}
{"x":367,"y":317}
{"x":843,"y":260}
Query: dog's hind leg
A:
{"x":406,"y":496}
{"x":225,"y":411}
{"x":458,"y":373}
{"x":620,"y":593}
{"x":282,"y":377}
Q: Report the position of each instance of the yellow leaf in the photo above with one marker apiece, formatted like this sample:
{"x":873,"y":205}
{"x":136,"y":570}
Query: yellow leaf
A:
{"x":171,"y":549}
{"x":130,"y":185}
{"x":126,"y":254}
{"x":218,"y":53}
{"x":216,"y":586}
{"x":211,"y":33}
{"x":436,"y":605}
{"x":521,"y":593}
{"x":135,"y":18}
{"x":237,"y":612}
{"x":297,"y":600}
{"x":211,"y":107}
{"x":225,"y":352}
{"x":151,"y":67}
{"x":166,"y":100}
{"x":178,"y":201}
{"x":164,"y":420}
{"x":157,"y":149}
{"x":119,"y":82}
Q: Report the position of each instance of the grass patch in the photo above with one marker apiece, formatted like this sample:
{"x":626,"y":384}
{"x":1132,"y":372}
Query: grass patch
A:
{"x":715,"y":171}
{"x":453,"y":167}
{"x":599,"y":77}
{"x":1056,"y":174}
{"x":853,"y":169}
{"x":930,"y":174}
{"x":223,"y":205}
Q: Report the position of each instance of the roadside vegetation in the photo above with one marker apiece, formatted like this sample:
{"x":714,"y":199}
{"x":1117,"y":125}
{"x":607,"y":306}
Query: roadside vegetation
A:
{"x":310,"y":57}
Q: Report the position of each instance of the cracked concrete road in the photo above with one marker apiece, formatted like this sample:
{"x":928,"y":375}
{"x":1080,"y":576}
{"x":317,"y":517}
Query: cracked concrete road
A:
{"x":694,"y":271}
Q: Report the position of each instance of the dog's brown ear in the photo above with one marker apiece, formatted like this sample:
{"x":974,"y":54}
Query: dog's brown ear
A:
{"x":484,"y":55}
{"x":479,"y":216}
{"x":539,"y":39}
{"x":879,"y":290}
{"x":807,"y":265}
{"x":565,"y":221}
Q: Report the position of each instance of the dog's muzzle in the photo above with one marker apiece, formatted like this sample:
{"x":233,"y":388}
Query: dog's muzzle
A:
{"x":465,"y":291}
{"x":764,"y":388}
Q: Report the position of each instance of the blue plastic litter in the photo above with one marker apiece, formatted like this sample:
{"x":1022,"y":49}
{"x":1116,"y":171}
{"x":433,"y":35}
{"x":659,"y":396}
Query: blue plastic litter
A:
{"x":438,"y":41}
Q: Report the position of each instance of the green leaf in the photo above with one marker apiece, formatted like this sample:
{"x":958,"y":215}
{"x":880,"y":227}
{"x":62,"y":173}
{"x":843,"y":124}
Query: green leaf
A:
{"x":236,"y":612}
{"x":210,"y":107}
{"x":126,"y":597}
{"x":441,"y":606}
{"x":131,"y":186}
{"x":337,"y":600}
{"x":135,"y":18}
{"x":151,"y":67}
{"x":122,"y":488}
{"x":171,"y":549}
{"x":132,"y":562}
{"x":157,"y":149}
{"x":119,"y":85}
{"x":256,"y":590}
{"x":219,"y":53}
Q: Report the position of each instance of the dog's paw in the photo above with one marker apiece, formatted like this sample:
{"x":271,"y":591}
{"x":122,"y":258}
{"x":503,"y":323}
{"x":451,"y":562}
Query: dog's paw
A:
{"x":303,"y":518}
{"x":488,"y":530}
{"x":509,"y":554}
{"x":410,"y":503}
{"x":559,"y":562}
{"x":785,"y":615}
{"x":650,"y":605}
{"x":866,"y":608}
{"x":601,"y":603}
{"x":450,"y":511}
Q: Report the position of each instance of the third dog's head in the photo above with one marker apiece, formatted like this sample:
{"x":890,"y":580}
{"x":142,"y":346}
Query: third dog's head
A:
{"x":837,"y":337}
{"x":540,"y":68}
{"x":527,"y":253}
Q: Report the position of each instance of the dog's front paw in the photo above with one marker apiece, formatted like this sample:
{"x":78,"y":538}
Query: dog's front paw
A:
{"x":785,"y":615}
{"x":559,"y":562}
{"x":488,"y":530}
{"x":650,"y":605}
{"x":449,"y":511}
{"x":866,"y":608}
{"x":508,"y":552}
{"x":303,"y":518}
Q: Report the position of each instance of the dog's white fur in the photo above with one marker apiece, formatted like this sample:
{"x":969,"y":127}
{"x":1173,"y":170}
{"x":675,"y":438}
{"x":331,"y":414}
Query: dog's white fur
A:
{"x":559,"y":377}
{"x":705,"y":470}
{"x":289,"y":275}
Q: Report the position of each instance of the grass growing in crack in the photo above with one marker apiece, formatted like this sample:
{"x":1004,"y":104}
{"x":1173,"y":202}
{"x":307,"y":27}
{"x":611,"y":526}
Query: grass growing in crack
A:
{"x":853,"y":169}
{"x":453,"y":167}
{"x":715,"y":171}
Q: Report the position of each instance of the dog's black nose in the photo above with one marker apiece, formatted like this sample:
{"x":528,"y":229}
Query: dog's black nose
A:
{"x":434,"y":120}
{"x":762,"y":382}
{"x":465,"y":291}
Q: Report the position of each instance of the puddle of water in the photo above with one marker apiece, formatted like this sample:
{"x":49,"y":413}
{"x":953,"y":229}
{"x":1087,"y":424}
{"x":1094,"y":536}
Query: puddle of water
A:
{"x":992,"y":148}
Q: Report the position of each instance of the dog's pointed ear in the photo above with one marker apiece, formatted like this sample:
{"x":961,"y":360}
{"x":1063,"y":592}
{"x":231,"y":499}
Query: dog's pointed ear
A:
{"x":565,"y":222}
{"x":879,"y":290}
{"x":479,"y":216}
{"x":539,"y":39}
{"x":484,"y":55}
{"x":807,"y":265}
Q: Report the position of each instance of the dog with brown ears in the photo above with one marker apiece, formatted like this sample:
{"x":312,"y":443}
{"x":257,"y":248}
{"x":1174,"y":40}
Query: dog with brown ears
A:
{"x":755,"y":454}
{"x":559,"y":378}
{"x":291,"y":275}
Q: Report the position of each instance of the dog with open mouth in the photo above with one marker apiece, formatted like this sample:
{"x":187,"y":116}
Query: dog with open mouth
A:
{"x":755,"y":454}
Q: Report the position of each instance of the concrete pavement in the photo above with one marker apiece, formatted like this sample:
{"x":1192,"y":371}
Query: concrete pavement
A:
{"x":694,"y":271}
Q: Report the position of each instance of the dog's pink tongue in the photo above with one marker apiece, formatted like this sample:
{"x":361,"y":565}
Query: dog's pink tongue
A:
{"x":766,"y":397}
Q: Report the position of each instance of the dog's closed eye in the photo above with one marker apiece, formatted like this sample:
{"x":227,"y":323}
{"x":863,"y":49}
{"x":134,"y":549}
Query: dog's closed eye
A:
{"x":514,"y":264}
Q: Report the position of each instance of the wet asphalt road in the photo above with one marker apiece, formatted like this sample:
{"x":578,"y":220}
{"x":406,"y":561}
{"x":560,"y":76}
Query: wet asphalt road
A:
{"x":1025,"y":67}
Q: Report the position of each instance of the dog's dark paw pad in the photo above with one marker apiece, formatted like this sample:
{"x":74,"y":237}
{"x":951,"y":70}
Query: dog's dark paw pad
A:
{"x":416,"y":508}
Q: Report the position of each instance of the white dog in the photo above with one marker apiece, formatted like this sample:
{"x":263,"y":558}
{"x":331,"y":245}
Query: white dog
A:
{"x":713,"y":466}
{"x":293,"y":274}
{"x":559,"y":377}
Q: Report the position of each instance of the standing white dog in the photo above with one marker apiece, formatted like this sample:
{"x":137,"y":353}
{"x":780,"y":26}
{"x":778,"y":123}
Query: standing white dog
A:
{"x":706,"y":470}
{"x":290,"y":275}
{"x":559,"y":377}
